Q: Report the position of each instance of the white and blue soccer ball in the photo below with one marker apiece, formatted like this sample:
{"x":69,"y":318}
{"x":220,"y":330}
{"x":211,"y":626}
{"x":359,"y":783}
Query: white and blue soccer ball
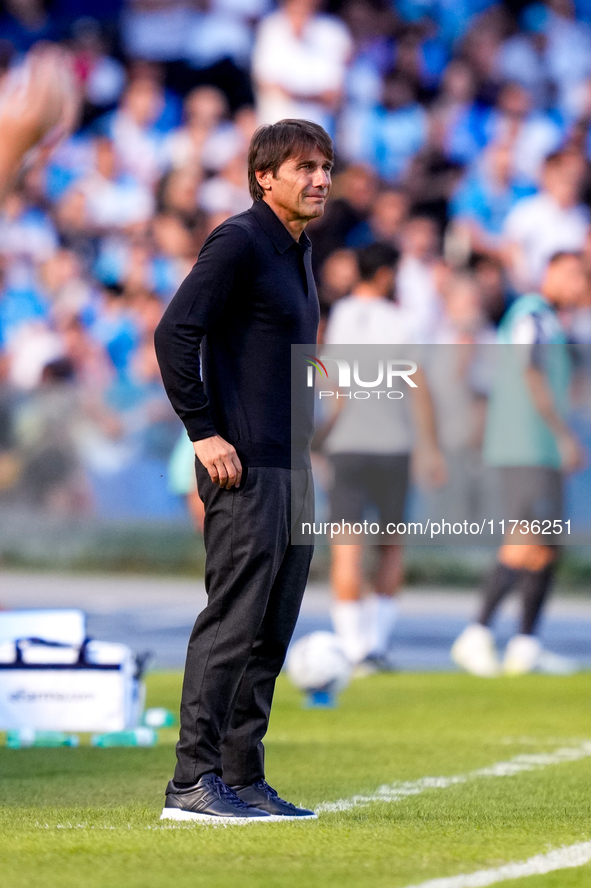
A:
{"x":317,"y":662}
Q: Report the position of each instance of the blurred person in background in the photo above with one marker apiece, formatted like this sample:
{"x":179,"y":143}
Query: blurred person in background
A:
{"x":45,"y":427}
{"x":67,"y":290}
{"x":568,"y":53}
{"x":485,"y":197}
{"x":465,"y":320}
{"x":370,"y":447}
{"x":113,"y":198}
{"x":458,"y":117}
{"x":175,"y":249}
{"x":417,"y":279}
{"x":299,"y":63}
{"x":385,"y":222}
{"x":25,"y":22}
{"x":27,"y":232}
{"x":155,"y":29}
{"x":420,"y":55}
{"x":527,"y":436}
{"x":337,"y":278}
{"x":101,"y":76}
{"x":75,"y":230}
{"x":555,"y":219}
{"x":389,"y":134}
{"x":480,"y":46}
{"x":205,"y":113}
{"x":227,"y":191}
{"x":139,"y":143}
{"x":30,"y":346}
{"x":371,"y":24}
{"x":199,"y":44}
{"x":493,"y":287}
{"x":522,"y":55}
{"x":459,"y":372}
{"x":531,"y":133}
{"x":578,"y":135}
{"x":116,"y":328}
{"x":93,"y":369}
{"x":431,"y":177}
{"x":218,"y":46}
{"x":177,"y":193}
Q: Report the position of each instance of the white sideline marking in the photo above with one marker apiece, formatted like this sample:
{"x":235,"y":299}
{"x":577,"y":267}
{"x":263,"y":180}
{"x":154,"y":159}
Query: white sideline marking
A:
{"x":567,"y":857}
{"x":395,"y":792}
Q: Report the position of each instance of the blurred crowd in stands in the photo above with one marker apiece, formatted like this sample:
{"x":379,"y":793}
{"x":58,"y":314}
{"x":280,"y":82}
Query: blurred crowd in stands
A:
{"x":463,"y":138}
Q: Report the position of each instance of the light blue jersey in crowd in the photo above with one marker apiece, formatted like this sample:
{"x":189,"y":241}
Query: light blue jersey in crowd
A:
{"x":516,"y":435}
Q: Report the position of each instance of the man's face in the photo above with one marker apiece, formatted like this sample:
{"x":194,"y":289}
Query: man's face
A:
{"x":514,"y":101}
{"x":567,"y":283}
{"x":300,"y":187}
{"x":563,"y":180}
{"x":420,"y":238}
{"x":384,"y":280}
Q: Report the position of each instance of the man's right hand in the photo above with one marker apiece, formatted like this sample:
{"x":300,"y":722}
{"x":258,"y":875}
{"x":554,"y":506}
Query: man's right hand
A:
{"x":221,"y":461}
{"x":572,"y":455}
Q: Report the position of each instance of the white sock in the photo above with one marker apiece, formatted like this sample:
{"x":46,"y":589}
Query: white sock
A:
{"x":348,"y":621}
{"x":381,"y":614}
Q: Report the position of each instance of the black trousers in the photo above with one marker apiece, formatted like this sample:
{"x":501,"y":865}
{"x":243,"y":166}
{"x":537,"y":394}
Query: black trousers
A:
{"x":255,"y":581}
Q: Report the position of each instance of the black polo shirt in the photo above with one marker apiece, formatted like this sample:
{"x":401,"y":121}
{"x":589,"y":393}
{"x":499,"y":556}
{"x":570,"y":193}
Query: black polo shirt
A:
{"x":248,"y":298}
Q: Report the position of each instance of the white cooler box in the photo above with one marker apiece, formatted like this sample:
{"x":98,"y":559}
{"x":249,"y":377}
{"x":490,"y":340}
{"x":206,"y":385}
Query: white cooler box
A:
{"x":52,"y":678}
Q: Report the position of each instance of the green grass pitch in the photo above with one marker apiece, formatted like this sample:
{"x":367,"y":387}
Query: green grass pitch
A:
{"x":88,"y":818}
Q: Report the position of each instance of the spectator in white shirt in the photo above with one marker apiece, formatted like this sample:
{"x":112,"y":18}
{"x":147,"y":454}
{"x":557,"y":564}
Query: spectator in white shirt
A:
{"x":113,"y":199}
{"x":205,"y":110}
{"x":369,"y":315}
{"x":299,"y":63}
{"x":139,"y":145}
{"x":552,"y":221}
{"x":416,"y":282}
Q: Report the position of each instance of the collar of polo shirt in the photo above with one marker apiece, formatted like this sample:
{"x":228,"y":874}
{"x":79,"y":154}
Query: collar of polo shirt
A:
{"x":275,"y":229}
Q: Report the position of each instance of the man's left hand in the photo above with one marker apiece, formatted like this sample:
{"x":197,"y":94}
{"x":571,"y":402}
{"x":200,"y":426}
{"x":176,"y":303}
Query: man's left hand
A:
{"x":429,"y":467}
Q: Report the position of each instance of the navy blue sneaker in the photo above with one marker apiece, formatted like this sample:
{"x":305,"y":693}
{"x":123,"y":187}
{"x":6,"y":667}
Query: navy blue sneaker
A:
{"x":265,"y":798}
{"x":210,"y":800}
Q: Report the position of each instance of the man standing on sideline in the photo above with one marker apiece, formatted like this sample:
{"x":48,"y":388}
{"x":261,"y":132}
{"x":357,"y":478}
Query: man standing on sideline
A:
{"x":250,"y":296}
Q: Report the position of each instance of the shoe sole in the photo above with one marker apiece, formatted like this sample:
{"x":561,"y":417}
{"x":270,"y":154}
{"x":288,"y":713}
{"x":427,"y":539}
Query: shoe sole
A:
{"x":179,"y":814}
{"x":279,"y":818}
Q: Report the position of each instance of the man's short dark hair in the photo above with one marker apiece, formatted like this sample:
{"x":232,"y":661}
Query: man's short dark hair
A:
{"x":275,"y":143}
{"x":564,"y":254}
{"x":555,"y":158}
{"x":370,"y":259}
